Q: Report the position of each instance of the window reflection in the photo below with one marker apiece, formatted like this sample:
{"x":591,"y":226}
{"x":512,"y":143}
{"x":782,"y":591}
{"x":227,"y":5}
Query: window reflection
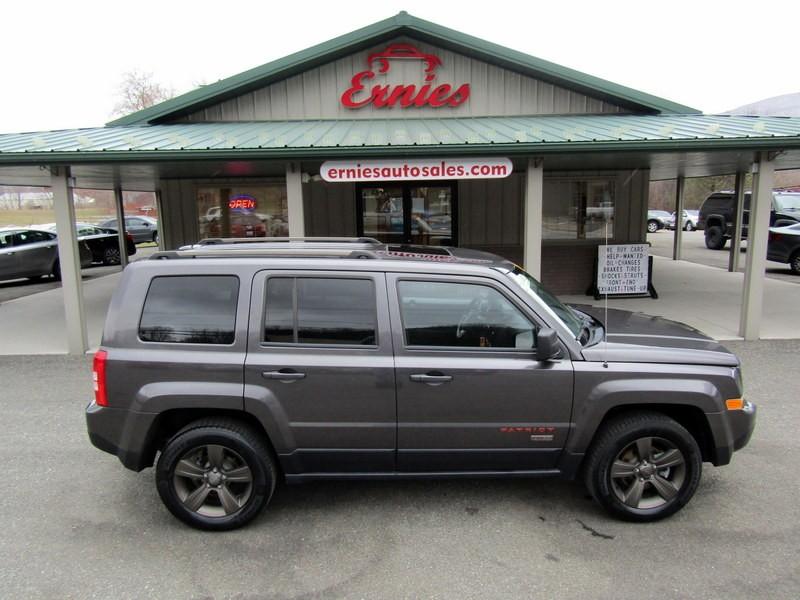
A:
{"x":243,"y":211}
{"x":578,"y":209}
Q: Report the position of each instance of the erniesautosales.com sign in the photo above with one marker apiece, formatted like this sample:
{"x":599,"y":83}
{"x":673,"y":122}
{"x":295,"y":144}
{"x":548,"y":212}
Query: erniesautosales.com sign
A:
{"x":415,"y":169}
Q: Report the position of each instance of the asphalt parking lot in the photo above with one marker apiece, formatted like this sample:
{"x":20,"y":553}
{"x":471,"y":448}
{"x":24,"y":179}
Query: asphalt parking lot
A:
{"x":693,"y":249}
{"x":77,"y":525}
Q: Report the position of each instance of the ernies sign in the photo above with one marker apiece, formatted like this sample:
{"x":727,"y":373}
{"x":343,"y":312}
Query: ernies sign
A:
{"x":359,"y":94}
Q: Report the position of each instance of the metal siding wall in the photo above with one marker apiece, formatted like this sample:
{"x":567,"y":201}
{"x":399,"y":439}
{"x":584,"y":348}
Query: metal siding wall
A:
{"x":330,"y":209}
{"x":315,"y":93}
{"x":490,"y":212}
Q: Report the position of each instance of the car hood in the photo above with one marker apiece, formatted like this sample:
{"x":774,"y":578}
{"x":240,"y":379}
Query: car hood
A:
{"x":641,"y":338}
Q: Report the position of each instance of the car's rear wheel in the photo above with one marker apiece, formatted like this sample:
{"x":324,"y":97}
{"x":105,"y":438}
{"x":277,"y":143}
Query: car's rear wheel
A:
{"x":652,"y":226}
{"x":216,"y":474}
{"x":689,"y":226}
{"x":794,"y":262}
{"x":643,"y":467}
{"x":111,"y":256}
{"x":155,"y":237}
{"x":715,"y":239}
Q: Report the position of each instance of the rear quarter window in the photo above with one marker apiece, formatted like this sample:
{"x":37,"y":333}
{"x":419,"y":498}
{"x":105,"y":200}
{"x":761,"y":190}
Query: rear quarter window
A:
{"x":190,"y":310}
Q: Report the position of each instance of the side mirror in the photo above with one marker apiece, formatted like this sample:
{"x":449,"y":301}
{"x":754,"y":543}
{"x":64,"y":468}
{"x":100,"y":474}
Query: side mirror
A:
{"x":547,"y":346}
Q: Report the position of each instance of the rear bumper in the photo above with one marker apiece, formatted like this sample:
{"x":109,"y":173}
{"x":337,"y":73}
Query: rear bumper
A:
{"x":123,"y":433}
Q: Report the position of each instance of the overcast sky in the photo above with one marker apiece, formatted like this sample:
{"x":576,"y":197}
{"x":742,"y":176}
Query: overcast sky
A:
{"x":62,"y":62}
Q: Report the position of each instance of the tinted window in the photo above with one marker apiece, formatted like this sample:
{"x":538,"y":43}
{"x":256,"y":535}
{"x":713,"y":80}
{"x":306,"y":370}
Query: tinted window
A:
{"x":461,"y":315}
{"x":306,"y":310}
{"x":196,"y":310}
{"x":22,"y":238}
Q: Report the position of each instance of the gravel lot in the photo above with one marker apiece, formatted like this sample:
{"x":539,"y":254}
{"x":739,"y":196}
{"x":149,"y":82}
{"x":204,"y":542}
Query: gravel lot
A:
{"x":77,"y":525}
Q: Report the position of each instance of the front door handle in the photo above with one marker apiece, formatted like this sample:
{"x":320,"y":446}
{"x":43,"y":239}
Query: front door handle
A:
{"x":431,"y":378}
{"x":285,"y":375}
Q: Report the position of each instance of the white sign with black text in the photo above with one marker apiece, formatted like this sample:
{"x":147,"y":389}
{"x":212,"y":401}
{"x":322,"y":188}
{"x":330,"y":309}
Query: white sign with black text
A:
{"x":622,"y":269}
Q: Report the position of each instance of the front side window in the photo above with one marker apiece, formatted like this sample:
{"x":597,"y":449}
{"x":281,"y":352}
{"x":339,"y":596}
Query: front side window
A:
{"x":579,"y":209}
{"x":316,"y":310}
{"x":462,"y":315}
{"x":190,"y":310}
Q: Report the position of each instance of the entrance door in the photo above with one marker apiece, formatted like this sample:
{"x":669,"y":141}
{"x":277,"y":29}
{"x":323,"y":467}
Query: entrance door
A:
{"x":404,"y":213}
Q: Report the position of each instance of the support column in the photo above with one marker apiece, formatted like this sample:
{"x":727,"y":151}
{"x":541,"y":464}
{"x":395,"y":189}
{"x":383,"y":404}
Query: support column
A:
{"x":69,"y":260}
{"x":532,"y":240}
{"x":677,"y":239}
{"x":756,"y":262}
{"x":736,"y":241}
{"x":294,"y":200}
{"x":123,"y":241}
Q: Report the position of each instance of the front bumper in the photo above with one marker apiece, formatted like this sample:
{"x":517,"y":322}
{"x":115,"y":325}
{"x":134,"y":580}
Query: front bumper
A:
{"x":743,"y":422}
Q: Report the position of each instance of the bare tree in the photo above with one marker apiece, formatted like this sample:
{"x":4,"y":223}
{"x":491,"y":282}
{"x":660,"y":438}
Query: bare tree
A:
{"x":138,"y":91}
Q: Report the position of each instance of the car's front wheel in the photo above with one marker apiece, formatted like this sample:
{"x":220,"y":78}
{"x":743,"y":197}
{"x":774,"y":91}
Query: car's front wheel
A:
{"x":643,"y":467}
{"x":216,"y":474}
{"x":652,"y":226}
{"x":689,"y":226}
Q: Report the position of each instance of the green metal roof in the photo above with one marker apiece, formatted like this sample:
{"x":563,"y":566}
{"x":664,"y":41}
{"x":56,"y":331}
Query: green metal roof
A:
{"x":381,"y":137}
{"x":401,"y":24}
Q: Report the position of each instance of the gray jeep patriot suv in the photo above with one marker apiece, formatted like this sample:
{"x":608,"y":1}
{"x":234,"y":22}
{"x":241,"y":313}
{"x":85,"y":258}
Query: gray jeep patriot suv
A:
{"x":237,"y":364}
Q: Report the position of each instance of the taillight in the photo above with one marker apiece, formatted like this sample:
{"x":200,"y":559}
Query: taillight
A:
{"x":99,"y":378}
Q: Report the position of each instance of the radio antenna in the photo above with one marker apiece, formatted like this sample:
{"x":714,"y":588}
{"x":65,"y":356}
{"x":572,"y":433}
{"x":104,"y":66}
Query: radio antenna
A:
{"x":605,"y":307}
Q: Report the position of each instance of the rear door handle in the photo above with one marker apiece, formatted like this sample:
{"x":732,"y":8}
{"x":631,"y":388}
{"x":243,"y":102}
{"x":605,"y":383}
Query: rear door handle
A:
{"x":431,"y":378}
{"x":285,"y":375}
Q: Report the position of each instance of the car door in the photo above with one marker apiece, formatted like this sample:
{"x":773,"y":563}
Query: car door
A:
{"x":471,"y":395}
{"x":8,"y":260}
{"x":141,"y":230}
{"x":34,"y":252}
{"x":320,"y":372}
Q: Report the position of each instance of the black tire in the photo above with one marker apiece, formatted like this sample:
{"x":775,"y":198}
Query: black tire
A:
{"x":56,"y":272}
{"x":155,"y":237}
{"x":241,"y":443}
{"x":715,"y":239}
{"x":622,"y":435}
{"x":689,"y":226}
{"x":794,"y":262}
{"x":652,"y":226}
{"x":111,"y":256}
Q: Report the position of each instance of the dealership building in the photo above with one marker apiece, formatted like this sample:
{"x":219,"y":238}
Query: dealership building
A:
{"x":411,"y":133}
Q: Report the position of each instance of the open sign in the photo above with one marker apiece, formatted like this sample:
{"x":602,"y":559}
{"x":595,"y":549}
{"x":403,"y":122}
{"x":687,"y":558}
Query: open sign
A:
{"x":242,"y":202}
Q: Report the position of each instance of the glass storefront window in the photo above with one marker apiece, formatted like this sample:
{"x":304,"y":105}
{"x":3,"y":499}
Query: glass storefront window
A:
{"x":243,"y":211}
{"x":581,"y":209}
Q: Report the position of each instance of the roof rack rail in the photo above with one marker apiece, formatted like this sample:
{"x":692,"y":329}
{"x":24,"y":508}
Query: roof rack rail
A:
{"x":278,"y":240}
{"x":262,"y":252}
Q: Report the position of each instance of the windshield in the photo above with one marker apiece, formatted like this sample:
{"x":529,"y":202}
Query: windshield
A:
{"x":536,"y":289}
{"x":788,"y":201}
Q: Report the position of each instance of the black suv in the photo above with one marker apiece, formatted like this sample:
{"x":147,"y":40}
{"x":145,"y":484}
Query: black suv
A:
{"x":718,"y":215}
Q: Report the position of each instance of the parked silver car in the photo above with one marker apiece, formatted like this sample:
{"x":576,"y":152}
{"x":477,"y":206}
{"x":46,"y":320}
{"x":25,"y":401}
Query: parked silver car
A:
{"x":33,"y":253}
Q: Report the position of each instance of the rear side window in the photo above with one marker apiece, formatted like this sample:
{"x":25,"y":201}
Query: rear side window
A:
{"x":190,"y":310}
{"x":317,"y":310}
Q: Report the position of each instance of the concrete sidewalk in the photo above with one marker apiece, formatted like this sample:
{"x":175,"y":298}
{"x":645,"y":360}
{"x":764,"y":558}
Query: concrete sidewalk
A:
{"x":36,"y":324}
{"x":709,"y":299}
{"x":704,"y":297}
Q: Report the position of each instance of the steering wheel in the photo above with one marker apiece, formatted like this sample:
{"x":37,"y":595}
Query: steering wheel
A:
{"x":475,"y":313}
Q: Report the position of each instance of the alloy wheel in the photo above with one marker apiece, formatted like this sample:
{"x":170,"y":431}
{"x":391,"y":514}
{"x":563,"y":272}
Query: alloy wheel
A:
{"x":648,"y":473}
{"x":213,"y":481}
